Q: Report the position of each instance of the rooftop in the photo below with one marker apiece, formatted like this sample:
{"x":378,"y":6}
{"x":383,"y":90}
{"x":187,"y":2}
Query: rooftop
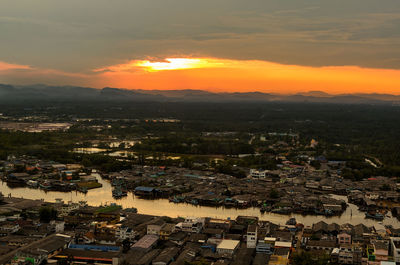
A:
{"x":146,"y":242}
{"x":228,"y":244}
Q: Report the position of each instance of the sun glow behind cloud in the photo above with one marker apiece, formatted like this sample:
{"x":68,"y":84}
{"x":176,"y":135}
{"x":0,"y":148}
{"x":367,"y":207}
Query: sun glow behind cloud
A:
{"x":178,"y":64}
{"x":167,"y":64}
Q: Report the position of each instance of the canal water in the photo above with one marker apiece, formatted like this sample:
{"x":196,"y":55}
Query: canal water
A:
{"x":162,"y":207}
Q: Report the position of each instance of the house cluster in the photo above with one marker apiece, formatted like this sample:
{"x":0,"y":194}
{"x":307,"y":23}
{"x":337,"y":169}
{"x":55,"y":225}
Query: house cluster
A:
{"x":82,"y":234}
{"x":47,"y":175}
{"x":207,"y":188}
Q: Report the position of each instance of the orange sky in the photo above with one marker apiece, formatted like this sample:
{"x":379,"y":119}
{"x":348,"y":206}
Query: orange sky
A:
{"x":213,"y":74}
{"x":221,"y":75}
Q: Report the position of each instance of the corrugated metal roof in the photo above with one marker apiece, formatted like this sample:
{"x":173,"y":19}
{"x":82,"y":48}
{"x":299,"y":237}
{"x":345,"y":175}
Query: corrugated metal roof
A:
{"x":146,"y":189}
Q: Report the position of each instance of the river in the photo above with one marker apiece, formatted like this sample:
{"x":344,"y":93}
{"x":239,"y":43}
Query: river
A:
{"x":162,"y":207}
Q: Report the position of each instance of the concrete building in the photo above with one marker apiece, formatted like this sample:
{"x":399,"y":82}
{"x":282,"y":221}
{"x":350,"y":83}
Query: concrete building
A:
{"x":155,"y":228}
{"x":166,"y":230}
{"x":345,"y":254}
{"x":344,"y":238}
{"x":395,"y":248}
{"x":252,"y":236}
{"x":57,"y":226}
{"x":191,"y":225}
{"x":227,"y":246}
{"x":381,"y":250}
{"x":254,"y":173}
{"x":124,"y":232}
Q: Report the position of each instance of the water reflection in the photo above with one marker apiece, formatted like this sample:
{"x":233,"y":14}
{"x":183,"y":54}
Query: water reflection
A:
{"x":163,"y":207}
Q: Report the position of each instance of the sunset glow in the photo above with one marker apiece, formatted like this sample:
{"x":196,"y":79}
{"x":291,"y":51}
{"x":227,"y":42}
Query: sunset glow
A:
{"x":218,"y":75}
{"x":167,"y":64}
{"x":8,"y":66}
{"x":224,"y":75}
{"x":177,"y":64}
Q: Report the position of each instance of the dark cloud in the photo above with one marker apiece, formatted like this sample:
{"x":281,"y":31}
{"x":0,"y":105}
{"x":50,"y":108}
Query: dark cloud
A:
{"x":82,"y":35}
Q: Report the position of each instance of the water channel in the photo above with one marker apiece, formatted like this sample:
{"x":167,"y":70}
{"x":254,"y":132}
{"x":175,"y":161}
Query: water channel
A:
{"x":162,"y":207}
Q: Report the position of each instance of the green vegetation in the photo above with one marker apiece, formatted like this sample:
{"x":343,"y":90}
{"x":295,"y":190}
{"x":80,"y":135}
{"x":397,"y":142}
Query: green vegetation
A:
{"x":307,"y":258}
{"x":109,"y":209}
{"x":274,"y":194}
{"x":47,"y":214}
{"x":207,"y":131}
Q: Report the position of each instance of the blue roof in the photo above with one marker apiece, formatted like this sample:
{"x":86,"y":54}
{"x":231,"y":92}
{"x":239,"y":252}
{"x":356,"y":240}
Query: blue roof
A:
{"x":141,"y":188}
{"x":94,"y":247}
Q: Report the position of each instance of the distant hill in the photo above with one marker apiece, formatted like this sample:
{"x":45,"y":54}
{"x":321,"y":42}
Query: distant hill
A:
{"x":39,"y":92}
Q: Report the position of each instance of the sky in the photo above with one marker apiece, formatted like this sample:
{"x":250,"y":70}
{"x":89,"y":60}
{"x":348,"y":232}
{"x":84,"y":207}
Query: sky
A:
{"x":281,"y":46}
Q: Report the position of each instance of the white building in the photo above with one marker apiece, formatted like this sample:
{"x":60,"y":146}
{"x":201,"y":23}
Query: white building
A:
{"x":395,"y":248}
{"x":227,"y":246}
{"x":9,"y":228}
{"x":57,"y":226}
{"x":124,"y":232}
{"x":345,"y":254}
{"x":252,"y":236}
{"x":155,"y":228}
{"x":67,"y":208}
{"x":254,"y":173}
{"x":191,"y":225}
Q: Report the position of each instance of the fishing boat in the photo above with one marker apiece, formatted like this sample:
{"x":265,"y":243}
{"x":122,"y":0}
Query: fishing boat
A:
{"x":291,"y":221}
{"x":118,"y":192}
{"x":32,"y":184}
{"x":82,"y":189}
{"x":265,"y":208}
{"x":376,"y":216}
{"x":45,"y":185}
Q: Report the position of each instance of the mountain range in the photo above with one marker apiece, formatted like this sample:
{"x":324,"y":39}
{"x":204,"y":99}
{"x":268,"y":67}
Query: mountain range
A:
{"x":39,"y":92}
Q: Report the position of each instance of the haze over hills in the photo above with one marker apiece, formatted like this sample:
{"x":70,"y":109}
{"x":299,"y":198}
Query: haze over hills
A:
{"x":39,"y":92}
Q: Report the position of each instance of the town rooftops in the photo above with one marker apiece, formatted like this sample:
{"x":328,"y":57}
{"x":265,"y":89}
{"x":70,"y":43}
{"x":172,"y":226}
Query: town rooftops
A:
{"x":52,"y":243}
{"x":166,"y":256}
{"x":282,"y":252}
{"x":322,"y":243}
{"x":167,"y":227}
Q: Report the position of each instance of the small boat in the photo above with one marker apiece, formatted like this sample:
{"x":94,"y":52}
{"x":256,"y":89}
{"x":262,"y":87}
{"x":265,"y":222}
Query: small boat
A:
{"x":283,"y":210}
{"x":265,"y":208}
{"x":131,"y":210}
{"x":45,"y":185}
{"x":291,"y":221}
{"x":118,"y":192}
{"x":82,"y":189}
{"x":376,"y":216}
{"x":32,"y":183}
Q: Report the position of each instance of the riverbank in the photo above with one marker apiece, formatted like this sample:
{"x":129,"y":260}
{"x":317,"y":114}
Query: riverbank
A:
{"x":162,"y":207}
